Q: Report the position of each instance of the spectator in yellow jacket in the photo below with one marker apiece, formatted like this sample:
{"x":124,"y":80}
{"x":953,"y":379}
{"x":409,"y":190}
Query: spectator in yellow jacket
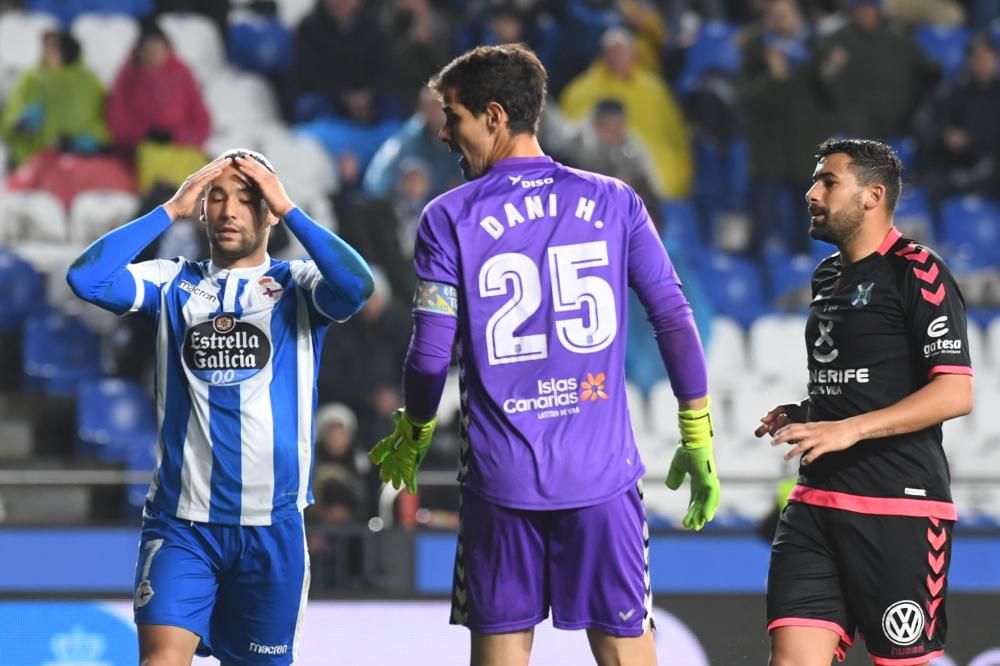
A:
{"x":653,"y":114}
{"x":58,"y":104}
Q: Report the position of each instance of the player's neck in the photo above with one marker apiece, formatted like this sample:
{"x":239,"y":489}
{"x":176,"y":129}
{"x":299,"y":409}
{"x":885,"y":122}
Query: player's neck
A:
{"x":252,"y":260}
{"x":518,"y":145}
{"x":868,"y":241}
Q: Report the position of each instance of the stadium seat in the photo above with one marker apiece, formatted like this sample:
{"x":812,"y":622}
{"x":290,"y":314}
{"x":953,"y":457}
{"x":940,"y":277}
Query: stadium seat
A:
{"x":977,"y":344}
{"x":96,"y":212}
{"x":240,"y":100}
{"x":32,"y":215}
{"x":196,"y":41}
{"x":726,"y":352}
{"x":789,"y":279}
{"x":106,"y":40}
{"x":735,"y":287}
{"x":992,"y":337}
{"x":906,"y":150}
{"x":661,"y":414}
{"x":714,"y":49}
{"x":778,"y":348}
{"x":20,"y":44}
{"x":972,"y":223}
{"x":293,"y":11}
{"x":945,"y":44}
{"x":110,"y":414}
{"x":58,"y":353}
{"x":305,"y":166}
{"x":258,"y":44}
{"x":4,"y":157}
{"x":913,"y":216}
{"x":68,"y":10}
{"x":24,"y":291}
{"x":682,"y":232}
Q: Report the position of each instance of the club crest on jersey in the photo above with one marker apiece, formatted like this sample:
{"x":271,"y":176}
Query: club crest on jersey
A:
{"x":225,"y":351}
{"x":864,"y":295}
{"x":269,"y":288}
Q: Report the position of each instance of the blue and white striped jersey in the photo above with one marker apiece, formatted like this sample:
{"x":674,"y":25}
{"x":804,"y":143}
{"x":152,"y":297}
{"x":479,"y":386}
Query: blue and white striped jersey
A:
{"x":236,"y":422}
{"x":237,"y":356}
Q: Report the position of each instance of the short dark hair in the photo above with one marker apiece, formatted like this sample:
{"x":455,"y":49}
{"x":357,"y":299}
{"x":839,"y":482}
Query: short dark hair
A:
{"x":871,"y":162}
{"x":233,"y":153}
{"x":510,"y":75}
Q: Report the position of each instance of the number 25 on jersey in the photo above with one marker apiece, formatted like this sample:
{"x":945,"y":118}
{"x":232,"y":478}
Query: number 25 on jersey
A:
{"x":516,"y":275}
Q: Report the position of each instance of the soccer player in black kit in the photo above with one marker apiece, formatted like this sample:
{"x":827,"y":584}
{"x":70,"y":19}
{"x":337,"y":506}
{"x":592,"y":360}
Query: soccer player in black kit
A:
{"x":864,"y":544}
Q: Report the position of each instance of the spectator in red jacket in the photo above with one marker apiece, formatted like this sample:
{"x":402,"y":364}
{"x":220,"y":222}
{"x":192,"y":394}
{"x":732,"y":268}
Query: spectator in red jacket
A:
{"x":155,"y":97}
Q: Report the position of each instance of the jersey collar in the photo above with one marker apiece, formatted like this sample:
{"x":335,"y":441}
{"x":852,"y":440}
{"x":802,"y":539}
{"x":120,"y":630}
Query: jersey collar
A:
{"x":245,"y":271}
{"x":889,"y":240}
{"x":515,"y":163}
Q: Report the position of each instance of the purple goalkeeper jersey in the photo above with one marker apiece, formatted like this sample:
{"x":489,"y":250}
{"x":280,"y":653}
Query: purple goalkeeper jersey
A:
{"x":542,"y":256}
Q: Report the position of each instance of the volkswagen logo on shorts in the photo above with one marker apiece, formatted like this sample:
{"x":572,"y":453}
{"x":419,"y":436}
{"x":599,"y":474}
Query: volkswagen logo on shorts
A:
{"x":225,"y":351}
{"x":903,"y":622}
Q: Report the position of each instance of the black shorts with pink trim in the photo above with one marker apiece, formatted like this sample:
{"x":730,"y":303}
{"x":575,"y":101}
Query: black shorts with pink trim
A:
{"x":884,"y":577}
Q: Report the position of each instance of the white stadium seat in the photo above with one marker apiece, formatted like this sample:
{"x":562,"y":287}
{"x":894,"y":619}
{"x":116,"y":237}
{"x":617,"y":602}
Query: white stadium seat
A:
{"x":726,"y":351}
{"x":293,"y":11}
{"x":777,"y":347}
{"x":196,"y":41}
{"x":303,"y":164}
{"x":239,"y":100}
{"x":32,"y":215}
{"x":95,"y":212}
{"x":106,"y":40}
{"x":20,"y":44}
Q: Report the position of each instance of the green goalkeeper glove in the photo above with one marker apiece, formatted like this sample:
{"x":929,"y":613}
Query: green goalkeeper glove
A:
{"x":399,"y":455}
{"x":694,"y":456}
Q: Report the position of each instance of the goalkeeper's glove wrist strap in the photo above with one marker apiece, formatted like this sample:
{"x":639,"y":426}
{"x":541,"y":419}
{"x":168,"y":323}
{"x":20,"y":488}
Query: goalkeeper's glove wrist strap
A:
{"x":696,"y":426}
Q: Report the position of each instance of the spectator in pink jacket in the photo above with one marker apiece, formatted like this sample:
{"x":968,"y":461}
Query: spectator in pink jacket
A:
{"x":156,"y":98}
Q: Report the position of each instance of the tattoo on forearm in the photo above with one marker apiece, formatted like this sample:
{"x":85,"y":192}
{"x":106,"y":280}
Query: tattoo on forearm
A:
{"x":883,"y":432}
{"x":436,"y":297}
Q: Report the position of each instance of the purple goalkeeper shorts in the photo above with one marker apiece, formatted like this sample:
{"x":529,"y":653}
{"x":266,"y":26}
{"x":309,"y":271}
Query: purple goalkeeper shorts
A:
{"x":590,"y":565}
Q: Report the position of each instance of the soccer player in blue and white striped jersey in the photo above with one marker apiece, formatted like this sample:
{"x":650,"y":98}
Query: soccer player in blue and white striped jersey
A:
{"x":222,"y":566}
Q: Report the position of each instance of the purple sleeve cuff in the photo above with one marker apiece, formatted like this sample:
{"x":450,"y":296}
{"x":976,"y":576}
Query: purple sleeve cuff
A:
{"x":427,"y":362}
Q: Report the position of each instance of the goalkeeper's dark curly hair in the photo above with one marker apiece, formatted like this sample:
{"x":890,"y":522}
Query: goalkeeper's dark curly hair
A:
{"x":510,"y":75}
{"x":871,"y":162}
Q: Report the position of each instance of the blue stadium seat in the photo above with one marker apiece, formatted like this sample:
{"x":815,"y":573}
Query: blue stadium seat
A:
{"x":720,"y":182}
{"x":140,"y":456}
{"x":945,"y":44}
{"x":259,"y":44}
{"x":110,"y":415}
{"x":682,"y":232}
{"x":714,"y":49}
{"x":24,"y":291}
{"x":971,"y":225}
{"x":735,"y":287}
{"x":67,"y":10}
{"x":787,"y":273}
{"x":914,"y":216}
{"x":58,"y":352}
{"x":906,"y":149}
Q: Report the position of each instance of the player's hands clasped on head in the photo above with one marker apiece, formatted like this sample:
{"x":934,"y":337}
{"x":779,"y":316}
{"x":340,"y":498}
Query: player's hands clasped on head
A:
{"x":399,"y":455}
{"x":694,"y":457}
{"x":185,"y":200}
{"x":268,"y":183}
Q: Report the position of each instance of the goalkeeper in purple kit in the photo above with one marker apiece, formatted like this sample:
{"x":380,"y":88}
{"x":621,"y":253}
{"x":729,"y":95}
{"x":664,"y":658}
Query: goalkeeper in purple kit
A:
{"x":529,"y":263}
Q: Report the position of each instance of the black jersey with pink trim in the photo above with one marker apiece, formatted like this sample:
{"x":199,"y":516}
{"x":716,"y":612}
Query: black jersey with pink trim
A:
{"x":879,"y":330}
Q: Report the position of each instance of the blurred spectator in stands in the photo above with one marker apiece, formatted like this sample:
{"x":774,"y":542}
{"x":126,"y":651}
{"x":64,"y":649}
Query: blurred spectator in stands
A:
{"x":383,"y":229}
{"x":363,"y":359}
{"x":338,"y":483}
{"x":58,"y":104}
{"x":982,"y":13}
{"x":582,"y":24}
{"x":420,"y":38}
{"x":417,"y":138}
{"x":340,"y":64}
{"x":603,"y":144}
{"x":652,"y":113}
{"x":958,"y":132}
{"x":872,"y":75}
{"x":156,"y":110}
{"x":785,"y":123}
{"x":510,"y":22}
{"x":920,"y":12}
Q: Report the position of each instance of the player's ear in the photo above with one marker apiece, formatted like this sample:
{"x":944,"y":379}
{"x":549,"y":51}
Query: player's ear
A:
{"x":202,"y":213}
{"x":496,"y":115}
{"x":874,"y":196}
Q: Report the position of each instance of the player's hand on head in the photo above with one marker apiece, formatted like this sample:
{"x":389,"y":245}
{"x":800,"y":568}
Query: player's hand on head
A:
{"x":184,"y":203}
{"x":779,"y":417}
{"x":267,"y":182}
{"x":814,"y":440}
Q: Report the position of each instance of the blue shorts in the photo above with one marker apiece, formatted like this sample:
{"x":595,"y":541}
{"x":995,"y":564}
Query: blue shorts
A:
{"x":241,"y":589}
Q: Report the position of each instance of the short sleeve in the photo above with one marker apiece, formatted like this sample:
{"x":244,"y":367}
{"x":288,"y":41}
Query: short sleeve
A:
{"x":935,"y":313}
{"x":307,"y":277}
{"x":150,"y":278}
